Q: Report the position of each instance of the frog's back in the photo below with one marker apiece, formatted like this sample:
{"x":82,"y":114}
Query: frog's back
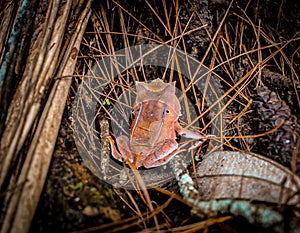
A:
{"x":151,"y":126}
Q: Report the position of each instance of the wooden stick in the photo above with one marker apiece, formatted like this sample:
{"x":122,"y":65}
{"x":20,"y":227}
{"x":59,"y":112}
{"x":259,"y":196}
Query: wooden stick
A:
{"x":24,"y":201}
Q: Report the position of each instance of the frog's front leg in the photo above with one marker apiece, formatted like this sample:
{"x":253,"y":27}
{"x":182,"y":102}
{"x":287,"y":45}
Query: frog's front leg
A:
{"x":162,"y":154}
{"x":190,"y":134}
{"x":123,"y":145}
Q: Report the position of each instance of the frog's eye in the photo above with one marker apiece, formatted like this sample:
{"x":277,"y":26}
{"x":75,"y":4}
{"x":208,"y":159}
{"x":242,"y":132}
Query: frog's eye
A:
{"x":167,"y":111}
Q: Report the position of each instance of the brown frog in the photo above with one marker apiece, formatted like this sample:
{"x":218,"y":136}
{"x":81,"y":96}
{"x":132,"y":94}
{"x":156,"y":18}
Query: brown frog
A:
{"x":153,"y":132}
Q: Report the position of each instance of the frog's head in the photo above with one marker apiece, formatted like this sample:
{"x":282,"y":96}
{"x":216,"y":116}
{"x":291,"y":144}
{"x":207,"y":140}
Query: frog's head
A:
{"x":159,"y":91}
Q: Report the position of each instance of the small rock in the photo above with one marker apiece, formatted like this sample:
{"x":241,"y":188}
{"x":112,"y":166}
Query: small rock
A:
{"x":90,"y":211}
